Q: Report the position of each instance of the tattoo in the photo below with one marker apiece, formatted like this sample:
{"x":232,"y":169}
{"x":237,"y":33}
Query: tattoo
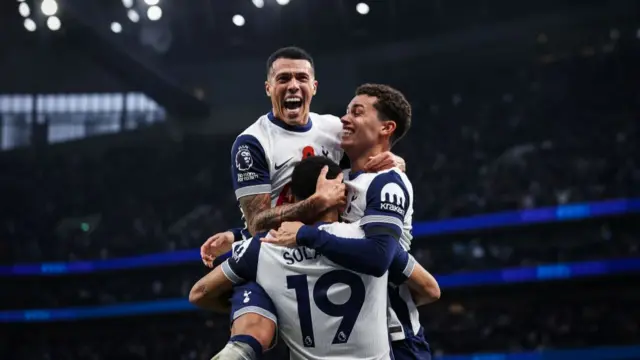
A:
{"x":261,"y":217}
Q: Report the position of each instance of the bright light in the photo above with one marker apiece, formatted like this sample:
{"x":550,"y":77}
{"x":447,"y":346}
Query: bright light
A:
{"x":24,"y":9}
{"x":53,"y":23}
{"x":152,"y":2}
{"x":116,"y":27}
{"x":362,"y":8}
{"x":20,"y":0}
{"x":638,"y":34}
{"x":49,"y":7}
{"x":30,"y":25}
{"x":238,"y":20}
{"x":258,"y":3}
{"x":133,"y":15}
{"x":282,"y":2}
{"x":154,"y":13}
{"x":127,"y":3}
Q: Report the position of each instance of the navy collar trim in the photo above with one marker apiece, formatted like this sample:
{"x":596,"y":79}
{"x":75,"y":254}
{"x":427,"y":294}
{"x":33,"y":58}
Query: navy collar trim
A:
{"x":354,"y":174}
{"x":295,"y":128}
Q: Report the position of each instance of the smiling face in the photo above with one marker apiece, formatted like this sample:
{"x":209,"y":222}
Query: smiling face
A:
{"x":361,"y":126}
{"x":291,"y":85}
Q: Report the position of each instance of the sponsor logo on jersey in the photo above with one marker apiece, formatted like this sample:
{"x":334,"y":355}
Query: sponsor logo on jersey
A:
{"x":392,"y":198}
{"x":244,"y":160}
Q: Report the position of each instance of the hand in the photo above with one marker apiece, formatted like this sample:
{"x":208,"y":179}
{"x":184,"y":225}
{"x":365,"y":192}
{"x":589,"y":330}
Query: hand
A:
{"x":285,"y":235}
{"x":215,"y":246}
{"x":332,"y":191}
{"x":384,"y":161}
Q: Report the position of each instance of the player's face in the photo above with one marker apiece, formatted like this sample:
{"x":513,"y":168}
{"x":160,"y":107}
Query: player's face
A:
{"x":361,"y":126}
{"x":291,"y":85}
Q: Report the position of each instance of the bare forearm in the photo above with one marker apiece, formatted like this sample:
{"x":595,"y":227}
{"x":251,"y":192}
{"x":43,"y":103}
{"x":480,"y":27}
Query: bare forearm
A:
{"x":305,"y":211}
{"x":423,"y":286}
{"x":211,"y":292}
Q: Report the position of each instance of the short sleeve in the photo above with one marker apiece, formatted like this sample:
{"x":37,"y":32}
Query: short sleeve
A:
{"x":401,"y":267}
{"x":242,"y":265}
{"x":387,"y":203}
{"x":249,"y":167}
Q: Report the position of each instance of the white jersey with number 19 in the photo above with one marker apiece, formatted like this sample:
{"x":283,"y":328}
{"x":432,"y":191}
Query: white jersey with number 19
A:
{"x":324,"y":310}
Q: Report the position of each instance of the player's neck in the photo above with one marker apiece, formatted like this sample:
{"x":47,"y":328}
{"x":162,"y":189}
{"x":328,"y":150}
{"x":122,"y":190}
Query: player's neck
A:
{"x":329,"y":216}
{"x":304,"y":118}
{"x":359,"y":158}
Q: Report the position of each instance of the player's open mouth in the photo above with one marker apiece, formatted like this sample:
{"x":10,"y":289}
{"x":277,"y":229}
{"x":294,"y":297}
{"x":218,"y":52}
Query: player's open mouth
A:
{"x":347,"y":132}
{"x":292,"y":103}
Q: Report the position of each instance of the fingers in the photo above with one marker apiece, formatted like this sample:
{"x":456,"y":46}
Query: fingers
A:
{"x":340,"y":177}
{"x":323,"y":172}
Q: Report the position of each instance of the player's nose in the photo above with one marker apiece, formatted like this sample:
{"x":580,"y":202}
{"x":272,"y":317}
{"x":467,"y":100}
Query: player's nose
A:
{"x":345,"y":119}
{"x":293,"y":86}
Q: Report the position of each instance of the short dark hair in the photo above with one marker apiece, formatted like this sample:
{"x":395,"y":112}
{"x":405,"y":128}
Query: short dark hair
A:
{"x":289,"y":52}
{"x":306,"y":172}
{"x":391,"y":106}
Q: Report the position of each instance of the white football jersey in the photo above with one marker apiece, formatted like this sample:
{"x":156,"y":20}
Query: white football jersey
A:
{"x":324,"y":310}
{"x":264,"y":155}
{"x":386,"y":199}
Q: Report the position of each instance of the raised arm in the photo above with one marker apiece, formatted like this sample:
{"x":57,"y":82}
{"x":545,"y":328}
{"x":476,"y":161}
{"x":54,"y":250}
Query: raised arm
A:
{"x":260,"y":216}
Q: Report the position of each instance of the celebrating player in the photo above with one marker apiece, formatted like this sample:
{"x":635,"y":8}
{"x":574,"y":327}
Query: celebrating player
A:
{"x":351,"y":323}
{"x":377,"y":117}
{"x":263,"y":157}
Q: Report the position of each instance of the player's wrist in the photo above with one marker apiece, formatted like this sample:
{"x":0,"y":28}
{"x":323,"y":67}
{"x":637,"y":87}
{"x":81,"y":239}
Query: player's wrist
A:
{"x":306,"y":236}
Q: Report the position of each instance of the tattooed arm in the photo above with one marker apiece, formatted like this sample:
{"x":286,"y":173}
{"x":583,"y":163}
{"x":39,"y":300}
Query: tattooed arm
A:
{"x":260,"y":216}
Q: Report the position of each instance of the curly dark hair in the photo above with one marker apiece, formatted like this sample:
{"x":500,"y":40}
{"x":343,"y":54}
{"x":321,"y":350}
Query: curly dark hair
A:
{"x":391,"y":106}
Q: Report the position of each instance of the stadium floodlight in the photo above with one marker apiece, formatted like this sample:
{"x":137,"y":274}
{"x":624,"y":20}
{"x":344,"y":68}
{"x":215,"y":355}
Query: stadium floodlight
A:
{"x":30,"y":25}
{"x":116,"y":27}
{"x":238,"y":20}
{"x":127,"y":3}
{"x":258,"y":3}
{"x":53,"y":23}
{"x":362,"y":8}
{"x":154,"y":13}
{"x":282,"y":2}
{"x":49,"y":7}
{"x":24,"y":9}
{"x":152,"y":2}
{"x":133,"y":15}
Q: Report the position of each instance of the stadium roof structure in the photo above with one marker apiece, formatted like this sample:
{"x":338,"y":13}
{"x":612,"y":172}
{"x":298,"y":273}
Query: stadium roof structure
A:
{"x":139,"y":40}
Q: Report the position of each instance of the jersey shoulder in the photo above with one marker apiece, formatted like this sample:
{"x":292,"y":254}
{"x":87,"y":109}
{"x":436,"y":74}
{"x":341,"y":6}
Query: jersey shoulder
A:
{"x":259,"y":129}
{"x":348,"y":230}
{"x":326,"y":122}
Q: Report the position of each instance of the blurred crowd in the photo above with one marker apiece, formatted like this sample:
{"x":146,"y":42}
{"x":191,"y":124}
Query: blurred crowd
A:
{"x":556,"y":315}
{"x":482,"y":140}
{"x":579,"y":241}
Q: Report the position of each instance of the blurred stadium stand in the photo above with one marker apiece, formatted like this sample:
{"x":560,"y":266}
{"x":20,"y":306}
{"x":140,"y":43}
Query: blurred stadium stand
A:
{"x":115,"y":143}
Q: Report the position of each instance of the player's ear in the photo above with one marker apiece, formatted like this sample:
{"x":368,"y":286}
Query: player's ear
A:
{"x":267,"y":88}
{"x":315,"y":87}
{"x":388,"y":127}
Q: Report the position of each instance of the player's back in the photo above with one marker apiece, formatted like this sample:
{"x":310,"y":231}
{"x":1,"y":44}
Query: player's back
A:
{"x":324,"y":310}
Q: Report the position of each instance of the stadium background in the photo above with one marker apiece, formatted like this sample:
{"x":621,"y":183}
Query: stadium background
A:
{"x":115,"y":131}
